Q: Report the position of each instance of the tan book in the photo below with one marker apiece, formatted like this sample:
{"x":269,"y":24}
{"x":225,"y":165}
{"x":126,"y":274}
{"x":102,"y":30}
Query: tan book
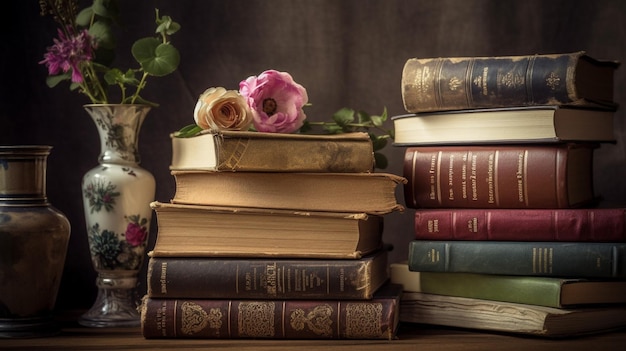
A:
{"x":197,"y":231}
{"x":509,"y":317}
{"x":273,"y":152}
{"x":333,"y":192}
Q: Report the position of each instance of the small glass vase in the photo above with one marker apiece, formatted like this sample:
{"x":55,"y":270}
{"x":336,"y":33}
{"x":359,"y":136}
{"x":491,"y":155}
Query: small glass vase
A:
{"x":116,"y":198}
{"x":34,"y":237}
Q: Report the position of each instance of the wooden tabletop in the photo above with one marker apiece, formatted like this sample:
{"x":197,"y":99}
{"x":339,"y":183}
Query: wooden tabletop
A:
{"x":410,"y":337}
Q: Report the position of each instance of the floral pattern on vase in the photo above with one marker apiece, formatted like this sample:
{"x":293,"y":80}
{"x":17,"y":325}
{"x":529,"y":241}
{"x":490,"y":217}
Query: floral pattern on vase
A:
{"x":116,"y":196}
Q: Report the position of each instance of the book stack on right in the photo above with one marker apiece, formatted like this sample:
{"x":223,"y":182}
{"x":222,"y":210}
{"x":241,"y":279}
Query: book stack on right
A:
{"x":509,"y":235}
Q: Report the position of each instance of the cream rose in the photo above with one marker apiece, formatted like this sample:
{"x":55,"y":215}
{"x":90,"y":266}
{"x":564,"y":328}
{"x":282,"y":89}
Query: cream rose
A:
{"x":221,"y":109}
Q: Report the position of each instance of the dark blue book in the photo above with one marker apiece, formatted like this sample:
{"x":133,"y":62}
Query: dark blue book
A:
{"x":562,"y":259}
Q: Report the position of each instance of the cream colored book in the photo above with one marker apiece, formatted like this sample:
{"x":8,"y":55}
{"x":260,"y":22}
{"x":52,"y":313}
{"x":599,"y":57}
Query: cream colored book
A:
{"x":196,"y":231}
{"x":373,"y":193}
{"x":509,"y":317}
{"x":273,"y":152}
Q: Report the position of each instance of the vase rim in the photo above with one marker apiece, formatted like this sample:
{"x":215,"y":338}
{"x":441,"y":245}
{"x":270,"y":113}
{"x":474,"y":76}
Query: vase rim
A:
{"x":31,"y":148}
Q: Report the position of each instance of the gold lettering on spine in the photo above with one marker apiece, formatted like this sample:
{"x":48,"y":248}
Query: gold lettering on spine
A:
{"x":519,"y":174}
{"x":474,"y":176}
{"x":163,"y":278}
{"x":432,"y":176}
{"x":485,"y":87}
{"x":451,"y":178}
{"x":433,"y":226}
{"x":464,"y":177}
{"x":490,"y":174}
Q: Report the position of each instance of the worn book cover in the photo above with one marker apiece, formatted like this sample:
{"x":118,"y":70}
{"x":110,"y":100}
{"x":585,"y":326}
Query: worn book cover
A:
{"x":273,"y":319}
{"x":373,"y":193}
{"x":244,"y":151}
{"x":265,"y":278}
{"x":456,"y":83}
{"x":509,"y":317}
{"x":203,"y":231}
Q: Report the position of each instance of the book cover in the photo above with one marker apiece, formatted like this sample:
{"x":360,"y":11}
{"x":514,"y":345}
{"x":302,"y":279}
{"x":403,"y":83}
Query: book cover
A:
{"x":273,"y":319}
{"x":373,"y":193}
{"x":499,"y":176}
{"x":578,"y":224}
{"x":532,"y":290}
{"x":557,"y":259}
{"x":257,"y":278}
{"x":188,"y":230}
{"x":455,"y":83}
{"x":273,"y":152}
{"x":532,"y":124}
{"x":509,"y":317}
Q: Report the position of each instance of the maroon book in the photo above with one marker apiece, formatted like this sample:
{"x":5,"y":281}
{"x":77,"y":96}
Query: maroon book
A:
{"x":499,"y":176}
{"x":584,"y":224}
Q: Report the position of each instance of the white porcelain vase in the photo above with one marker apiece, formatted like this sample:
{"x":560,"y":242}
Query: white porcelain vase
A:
{"x":116,"y":197}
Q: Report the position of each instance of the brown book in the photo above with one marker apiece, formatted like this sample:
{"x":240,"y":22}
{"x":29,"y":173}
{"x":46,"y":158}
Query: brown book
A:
{"x":534,"y":124}
{"x":188,"y":230}
{"x":549,"y":224}
{"x":273,"y":319}
{"x":456,"y":83}
{"x":499,"y":176}
{"x":509,"y":317}
{"x":258,"y":278}
{"x":273,"y":152}
{"x":334,"y":192}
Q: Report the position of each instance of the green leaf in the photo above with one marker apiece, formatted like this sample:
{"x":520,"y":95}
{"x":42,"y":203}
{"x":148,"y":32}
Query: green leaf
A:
{"x":53,"y":81}
{"x":188,"y":131}
{"x":378,"y":143}
{"x":101,"y":31}
{"x":363,"y":117}
{"x":377,"y":121}
{"x":155,"y":58}
{"x":344,"y":116}
{"x":165,"y":24}
{"x":83,"y":18}
{"x":106,"y":8}
{"x":380,"y":160}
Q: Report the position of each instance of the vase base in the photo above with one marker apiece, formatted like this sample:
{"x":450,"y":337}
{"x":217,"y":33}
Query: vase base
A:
{"x":28,"y":327}
{"x":104,"y":322}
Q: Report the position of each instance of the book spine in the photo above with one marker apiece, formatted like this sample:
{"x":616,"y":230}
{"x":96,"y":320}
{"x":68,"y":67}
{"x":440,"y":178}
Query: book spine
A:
{"x":214,"y":278}
{"x":481,"y":82}
{"x":486,"y":177}
{"x":269,"y":319}
{"x":558,"y":259}
{"x":585,"y":224}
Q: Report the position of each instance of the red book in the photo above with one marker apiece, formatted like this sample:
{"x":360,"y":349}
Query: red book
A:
{"x":585,"y":224}
{"x":499,"y":176}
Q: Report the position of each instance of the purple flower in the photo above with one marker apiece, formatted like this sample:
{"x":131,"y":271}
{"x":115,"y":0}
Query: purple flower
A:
{"x":135,"y":234}
{"x":275,"y":100}
{"x":69,"y":53}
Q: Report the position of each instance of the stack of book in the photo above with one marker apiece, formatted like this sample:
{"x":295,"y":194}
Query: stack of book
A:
{"x":272,"y":236}
{"x":499,"y":161}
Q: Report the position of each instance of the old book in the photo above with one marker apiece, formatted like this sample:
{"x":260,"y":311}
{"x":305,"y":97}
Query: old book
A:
{"x":273,"y":152}
{"x":557,"y":259}
{"x":577,"y":224}
{"x":532,"y":290}
{"x":499,"y":176}
{"x":509,"y":317}
{"x":535,"y":124}
{"x":258,"y":278}
{"x":455,"y":83}
{"x":273,"y":319}
{"x":334,"y":192}
{"x":188,"y":230}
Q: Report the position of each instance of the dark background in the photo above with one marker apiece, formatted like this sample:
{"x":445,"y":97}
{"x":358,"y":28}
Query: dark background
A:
{"x":346,"y":53}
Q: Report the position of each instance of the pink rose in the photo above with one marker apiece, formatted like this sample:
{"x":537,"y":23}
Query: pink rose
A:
{"x":221,"y":109}
{"x":135,"y":234}
{"x":276,"y":101}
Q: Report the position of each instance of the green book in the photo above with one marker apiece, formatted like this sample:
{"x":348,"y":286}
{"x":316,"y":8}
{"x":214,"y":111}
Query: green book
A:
{"x":531,"y":290}
{"x":556,"y":259}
